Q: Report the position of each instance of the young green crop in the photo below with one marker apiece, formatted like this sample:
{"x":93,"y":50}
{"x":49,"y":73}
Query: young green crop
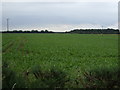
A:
{"x":72,"y":53}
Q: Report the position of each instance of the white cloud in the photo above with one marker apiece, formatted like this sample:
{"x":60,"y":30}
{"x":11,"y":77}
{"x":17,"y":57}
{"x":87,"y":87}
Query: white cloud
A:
{"x":61,"y":27}
{"x":114,"y":26}
{"x":60,"y":16}
{"x":65,"y":27}
{"x":0,"y":16}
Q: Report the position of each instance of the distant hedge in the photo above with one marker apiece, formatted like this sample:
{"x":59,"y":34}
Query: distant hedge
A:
{"x":79,"y":31}
{"x":95,"y":31}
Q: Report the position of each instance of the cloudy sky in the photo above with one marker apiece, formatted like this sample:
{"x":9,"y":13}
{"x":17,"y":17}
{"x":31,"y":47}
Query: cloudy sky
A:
{"x":59,"y":16}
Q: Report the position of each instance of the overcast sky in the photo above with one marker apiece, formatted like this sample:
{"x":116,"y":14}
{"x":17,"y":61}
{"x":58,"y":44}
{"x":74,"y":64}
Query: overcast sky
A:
{"x":60,"y":16}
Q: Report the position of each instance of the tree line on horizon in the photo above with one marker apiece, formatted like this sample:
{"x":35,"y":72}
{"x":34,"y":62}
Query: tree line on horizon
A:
{"x":95,"y":31}
{"x":79,"y":31}
{"x":25,"y":31}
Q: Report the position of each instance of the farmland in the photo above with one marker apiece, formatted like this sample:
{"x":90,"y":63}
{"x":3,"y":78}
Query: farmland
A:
{"x":34,"y":58}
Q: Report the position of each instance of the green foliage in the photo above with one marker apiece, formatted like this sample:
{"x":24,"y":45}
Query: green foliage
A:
{"x":8,"y":76}
{"x":36,"y":70}
{"x":59,"y":60}
{"x":53,"y":78}
{"x":103,"y":78}
{"x":10,"y":79}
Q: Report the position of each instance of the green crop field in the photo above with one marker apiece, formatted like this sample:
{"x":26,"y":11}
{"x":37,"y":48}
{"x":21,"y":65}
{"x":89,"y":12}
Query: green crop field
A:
{"x":60,"y":60}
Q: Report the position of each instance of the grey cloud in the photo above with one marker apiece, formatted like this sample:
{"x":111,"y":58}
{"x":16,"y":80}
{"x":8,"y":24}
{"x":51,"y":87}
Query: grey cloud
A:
{"x":41,"y":14}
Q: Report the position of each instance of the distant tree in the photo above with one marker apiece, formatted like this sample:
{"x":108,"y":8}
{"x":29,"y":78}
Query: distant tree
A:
{"x":42,"y":31}
{"x":46,"y":31}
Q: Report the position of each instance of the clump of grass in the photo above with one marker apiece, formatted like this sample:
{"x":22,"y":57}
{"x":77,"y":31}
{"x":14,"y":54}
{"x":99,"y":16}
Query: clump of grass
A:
{"x":57,"y":76}
{"x":36,"y":70}
{"x":103,"y":78}
{"x":10,"y":79}
{"x":7,"y":76}
{"x":53,"y":78}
